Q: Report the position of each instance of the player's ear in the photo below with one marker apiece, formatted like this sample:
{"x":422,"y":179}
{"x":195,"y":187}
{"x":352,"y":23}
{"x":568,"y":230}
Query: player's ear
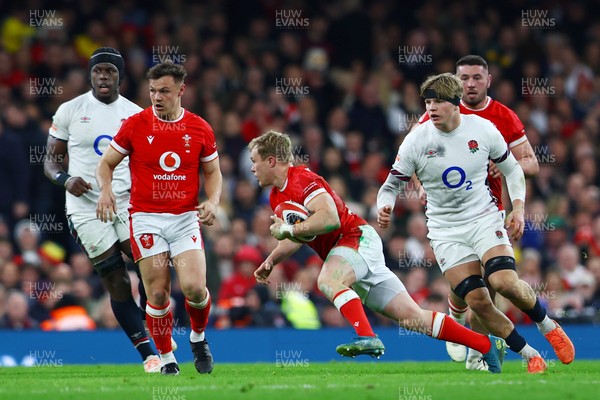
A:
{"x":489,"y":81}
{"x":271,"y":161}
{"x":181,"y":89}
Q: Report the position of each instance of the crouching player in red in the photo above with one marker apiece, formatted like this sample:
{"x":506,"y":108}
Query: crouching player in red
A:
{"x":167,"y":146}
{"x":354,"y":268}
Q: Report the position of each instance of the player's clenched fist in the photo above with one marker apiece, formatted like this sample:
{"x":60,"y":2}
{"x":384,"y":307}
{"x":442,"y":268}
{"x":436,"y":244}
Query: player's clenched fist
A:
{"x":207,"y":212}
{"x":384,"y":216}
{"x":515,"y":223}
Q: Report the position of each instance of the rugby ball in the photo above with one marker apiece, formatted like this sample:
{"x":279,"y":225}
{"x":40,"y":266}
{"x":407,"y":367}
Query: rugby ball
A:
{"x":293,"y":213}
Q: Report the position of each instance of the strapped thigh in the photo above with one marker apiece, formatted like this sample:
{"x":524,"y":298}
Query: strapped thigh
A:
{"x":112,"y":263}
{"x":468,"y":284}
{"x":499,"y":263}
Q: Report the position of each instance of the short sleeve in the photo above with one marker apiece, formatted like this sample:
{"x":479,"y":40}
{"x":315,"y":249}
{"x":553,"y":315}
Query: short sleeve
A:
{"x":209,"y":149}
{"x":498,"y":147}
{"x":122,"y":140}
{"x":404,"y":165}
{"x":310,"y":184}
{"x":515,"y":130}
{"x":60,"y":124}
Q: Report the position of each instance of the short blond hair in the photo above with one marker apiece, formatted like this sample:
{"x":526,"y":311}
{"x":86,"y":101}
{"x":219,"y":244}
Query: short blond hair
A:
{"x":447,"y":86}
{"x":275,"y":144}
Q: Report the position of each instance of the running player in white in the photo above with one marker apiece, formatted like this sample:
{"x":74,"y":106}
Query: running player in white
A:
{"x":473,"y":72}
{"x":83,"y":127}
{"x":450,"y":156}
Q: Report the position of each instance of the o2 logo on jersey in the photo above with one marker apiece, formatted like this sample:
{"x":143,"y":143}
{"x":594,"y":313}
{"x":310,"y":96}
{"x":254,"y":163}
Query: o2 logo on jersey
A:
{"x":463,"y":178}
{"x":97,"y":143}
{"x":169,"y":161}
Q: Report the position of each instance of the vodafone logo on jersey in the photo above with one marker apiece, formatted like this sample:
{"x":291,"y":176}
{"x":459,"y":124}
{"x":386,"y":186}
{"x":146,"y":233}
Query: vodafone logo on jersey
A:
{"x":169,"y":161}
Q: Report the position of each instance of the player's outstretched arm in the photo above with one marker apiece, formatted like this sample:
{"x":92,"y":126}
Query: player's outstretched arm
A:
{"x":56,"y":151}
{"x":283,"y":250}
{"x":386,"y":199}
{"x":107,"y":204}
{"x":213,"y":185}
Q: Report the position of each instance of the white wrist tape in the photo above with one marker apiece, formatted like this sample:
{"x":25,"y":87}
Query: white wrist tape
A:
{"x":288,"y":229}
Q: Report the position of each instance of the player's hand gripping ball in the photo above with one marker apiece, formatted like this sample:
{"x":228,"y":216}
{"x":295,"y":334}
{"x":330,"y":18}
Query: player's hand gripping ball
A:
{"x":293,"y":213}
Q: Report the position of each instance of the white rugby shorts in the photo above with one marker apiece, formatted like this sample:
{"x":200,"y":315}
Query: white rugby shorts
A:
{"x":94,"y":236}
{"x":155,"y":233}
{"x":469,"y":242}
{"x":375,"y":284}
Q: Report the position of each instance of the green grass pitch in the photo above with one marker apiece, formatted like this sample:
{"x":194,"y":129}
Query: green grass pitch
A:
{"x":344,"y":380}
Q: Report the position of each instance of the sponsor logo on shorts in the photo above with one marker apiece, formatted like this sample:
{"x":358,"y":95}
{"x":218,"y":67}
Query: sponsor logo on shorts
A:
{"x":194,"y":238}
{"x":442,"y":261}
{"x":499,"y":234}
{"x":147,"y":240}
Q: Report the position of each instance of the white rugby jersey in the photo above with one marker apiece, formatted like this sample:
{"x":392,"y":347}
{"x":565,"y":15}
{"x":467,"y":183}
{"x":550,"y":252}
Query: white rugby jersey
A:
{"x":453,"y":168}
{"x":88,"y":125}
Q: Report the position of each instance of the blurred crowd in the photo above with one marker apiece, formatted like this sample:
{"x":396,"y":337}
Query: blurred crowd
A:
{"x":336,"y":76}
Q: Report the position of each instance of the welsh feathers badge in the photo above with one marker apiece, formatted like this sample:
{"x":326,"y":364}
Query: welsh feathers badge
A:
{"x":147,"y":240}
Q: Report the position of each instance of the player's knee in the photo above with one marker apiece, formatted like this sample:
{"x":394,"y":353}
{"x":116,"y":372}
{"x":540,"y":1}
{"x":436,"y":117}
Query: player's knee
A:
{"x":501,"y":273}
{"x":479,"y":301}
{"x":158,"y":297}
{"x":118,"y":285}
{"x":193,"y":290}
{"x":470,"y":290}
{"x":323,"y":281}
{"x":468,"y":285}
{"x":325,"y":288}
{"x":113,"y":273}
{"x":506,"y":288}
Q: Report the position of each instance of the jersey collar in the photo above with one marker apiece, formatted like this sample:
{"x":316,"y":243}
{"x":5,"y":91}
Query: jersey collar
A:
{"x":453,"y":132}
{"x":99,"y":103}
{"x":287,"y":178}
{"x":163,"y":120}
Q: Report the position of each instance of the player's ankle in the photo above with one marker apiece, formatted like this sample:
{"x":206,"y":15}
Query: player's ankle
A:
{"x":168,"y":358}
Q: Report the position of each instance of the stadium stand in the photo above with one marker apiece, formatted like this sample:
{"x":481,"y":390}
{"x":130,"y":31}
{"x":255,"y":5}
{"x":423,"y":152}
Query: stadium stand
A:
{"x":342,"y":78}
